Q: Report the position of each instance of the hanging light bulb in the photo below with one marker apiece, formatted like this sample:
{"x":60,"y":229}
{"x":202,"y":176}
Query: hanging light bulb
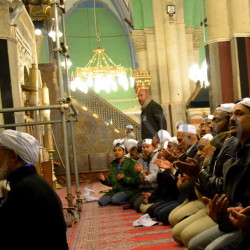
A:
{"x":52,"y":32}
{"x":69,"y":63}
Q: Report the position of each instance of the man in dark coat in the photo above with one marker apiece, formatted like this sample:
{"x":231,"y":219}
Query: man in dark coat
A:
{"x":152,"y":117}
{"x":31,"y":216}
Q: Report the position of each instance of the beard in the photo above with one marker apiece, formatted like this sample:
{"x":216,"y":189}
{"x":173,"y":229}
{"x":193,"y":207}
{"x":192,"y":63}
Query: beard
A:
{"x":3,"y":170}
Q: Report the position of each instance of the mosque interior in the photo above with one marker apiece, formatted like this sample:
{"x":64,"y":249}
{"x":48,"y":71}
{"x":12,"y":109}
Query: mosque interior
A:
{"x":192,"y":55}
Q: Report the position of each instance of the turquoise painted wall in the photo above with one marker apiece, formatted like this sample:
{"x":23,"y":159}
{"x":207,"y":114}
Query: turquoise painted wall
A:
{"x":142,"y":14}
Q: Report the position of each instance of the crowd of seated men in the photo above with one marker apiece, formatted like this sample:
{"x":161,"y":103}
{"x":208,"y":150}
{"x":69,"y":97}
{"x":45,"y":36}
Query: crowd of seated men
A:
{"x":199,"y":184}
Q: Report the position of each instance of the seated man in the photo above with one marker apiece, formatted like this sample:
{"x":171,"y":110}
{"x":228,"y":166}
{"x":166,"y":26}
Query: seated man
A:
{"x":236,"y":187}
{"x":148,"y":175}
{"x":31,"y":215}
{"x":122,"y":177}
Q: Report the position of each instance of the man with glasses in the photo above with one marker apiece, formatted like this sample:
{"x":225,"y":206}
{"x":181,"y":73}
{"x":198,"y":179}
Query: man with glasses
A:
{"x":205,"y":125}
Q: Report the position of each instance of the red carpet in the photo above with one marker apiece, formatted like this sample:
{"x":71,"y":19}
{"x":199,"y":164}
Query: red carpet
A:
{"x":111,"y":228}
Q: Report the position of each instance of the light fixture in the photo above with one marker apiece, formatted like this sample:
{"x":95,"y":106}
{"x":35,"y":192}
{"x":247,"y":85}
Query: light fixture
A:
{"x":69,"y":63}
{"x":52,"y":32}
{"x":38,"y":24}
{"x":170,"y":11}
{"x":199,"y":74}
{"x":101,"y":73}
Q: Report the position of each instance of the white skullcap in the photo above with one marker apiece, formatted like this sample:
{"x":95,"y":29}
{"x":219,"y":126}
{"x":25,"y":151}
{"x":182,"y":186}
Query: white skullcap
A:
{"x":129,"y":143}
{"x":245,"y":101}
{"x":117,"y":141}
{"x":25,"y":145}
{"x":207,"y":137}
{"x":129,"y":126}
{"x":227,"y":107}
{"x":173,"y":140}
{"x":163,"y":135}
{"x":177,"y":125}
{"x":147,"y":141}
{"x":119,"y":145}
{"x":187,"y":128}
{"x":208,"y":117}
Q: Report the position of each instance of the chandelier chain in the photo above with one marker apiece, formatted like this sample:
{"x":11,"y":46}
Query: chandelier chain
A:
{"x":98,"y":37}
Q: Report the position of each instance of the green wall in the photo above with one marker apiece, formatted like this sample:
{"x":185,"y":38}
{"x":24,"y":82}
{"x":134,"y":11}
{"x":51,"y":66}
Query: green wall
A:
{"x":142,"y":14}
{"x":80,"y":30}
{"x":81,"y":40}
{"x":194,"y":13}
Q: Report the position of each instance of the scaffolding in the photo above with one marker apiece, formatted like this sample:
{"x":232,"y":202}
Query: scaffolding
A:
{"x":64,"y":105}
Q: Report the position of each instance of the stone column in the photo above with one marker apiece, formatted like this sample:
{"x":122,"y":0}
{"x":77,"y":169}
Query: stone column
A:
{"x":182,"y":45}
{"x":139,"y":41}
{"x":240,"y":46}
{"x":193,"y":40}
{"x":173,"y":56}
{"x":218,"y":20}
{"x":218,"y":54}
{"x":161,"y":52}
{"x":239,"y":17}
{"x":228,"y":50}
{"x":4,"y":19}
{"x":153,"y":63}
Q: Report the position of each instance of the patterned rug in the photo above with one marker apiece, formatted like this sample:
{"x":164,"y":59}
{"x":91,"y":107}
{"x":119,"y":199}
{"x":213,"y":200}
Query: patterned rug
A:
{"x":111,"y":227}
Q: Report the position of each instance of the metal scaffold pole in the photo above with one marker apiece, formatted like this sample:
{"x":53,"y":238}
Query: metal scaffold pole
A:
{"x":65,"y":53}
{"x":57,"y":50}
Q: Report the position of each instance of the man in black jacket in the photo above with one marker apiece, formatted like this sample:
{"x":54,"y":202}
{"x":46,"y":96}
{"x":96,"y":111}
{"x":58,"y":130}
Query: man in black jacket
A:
{"x":236,"y":186}
{"x":31,"y":217}
{"x":152,"y":117}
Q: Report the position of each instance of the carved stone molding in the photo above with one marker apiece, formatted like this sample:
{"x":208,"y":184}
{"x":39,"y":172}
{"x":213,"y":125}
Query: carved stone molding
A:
{"x":197,"y":36}
{"x":4,"y":18}
{"x":139,"y":40}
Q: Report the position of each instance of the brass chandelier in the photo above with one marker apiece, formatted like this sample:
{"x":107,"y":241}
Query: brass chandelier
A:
{"x":101,"y":73}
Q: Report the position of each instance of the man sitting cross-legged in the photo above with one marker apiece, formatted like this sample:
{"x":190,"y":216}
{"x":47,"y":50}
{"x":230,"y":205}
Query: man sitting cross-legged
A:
{"x":122,"y":177}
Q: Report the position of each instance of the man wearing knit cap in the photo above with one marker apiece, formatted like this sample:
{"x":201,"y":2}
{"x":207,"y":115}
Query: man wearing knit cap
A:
{"x":31,"y":216}
{"x":122,"y":177}
{"x":233,"y":223}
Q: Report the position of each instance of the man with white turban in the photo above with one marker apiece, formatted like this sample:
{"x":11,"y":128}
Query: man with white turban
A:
{"x":31,"y":216}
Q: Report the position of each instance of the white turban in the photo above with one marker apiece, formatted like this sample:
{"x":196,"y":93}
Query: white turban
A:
{"x":117,"y":141}
{"x":25,"y":145}
{"x":163,"y":135}
{"x":129,"y":143}
{"x":187,"y":128}
{"x":129,"y":126}
{"x":173,"y":140}
{"x":207,"y":137}
{"x":227,"y":107}
{"x":147,"y":141}
{"x":245,"y":101}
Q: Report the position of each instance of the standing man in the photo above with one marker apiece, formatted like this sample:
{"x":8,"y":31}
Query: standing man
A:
{"x":152,"y":117}
{"x":32,"y":215}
